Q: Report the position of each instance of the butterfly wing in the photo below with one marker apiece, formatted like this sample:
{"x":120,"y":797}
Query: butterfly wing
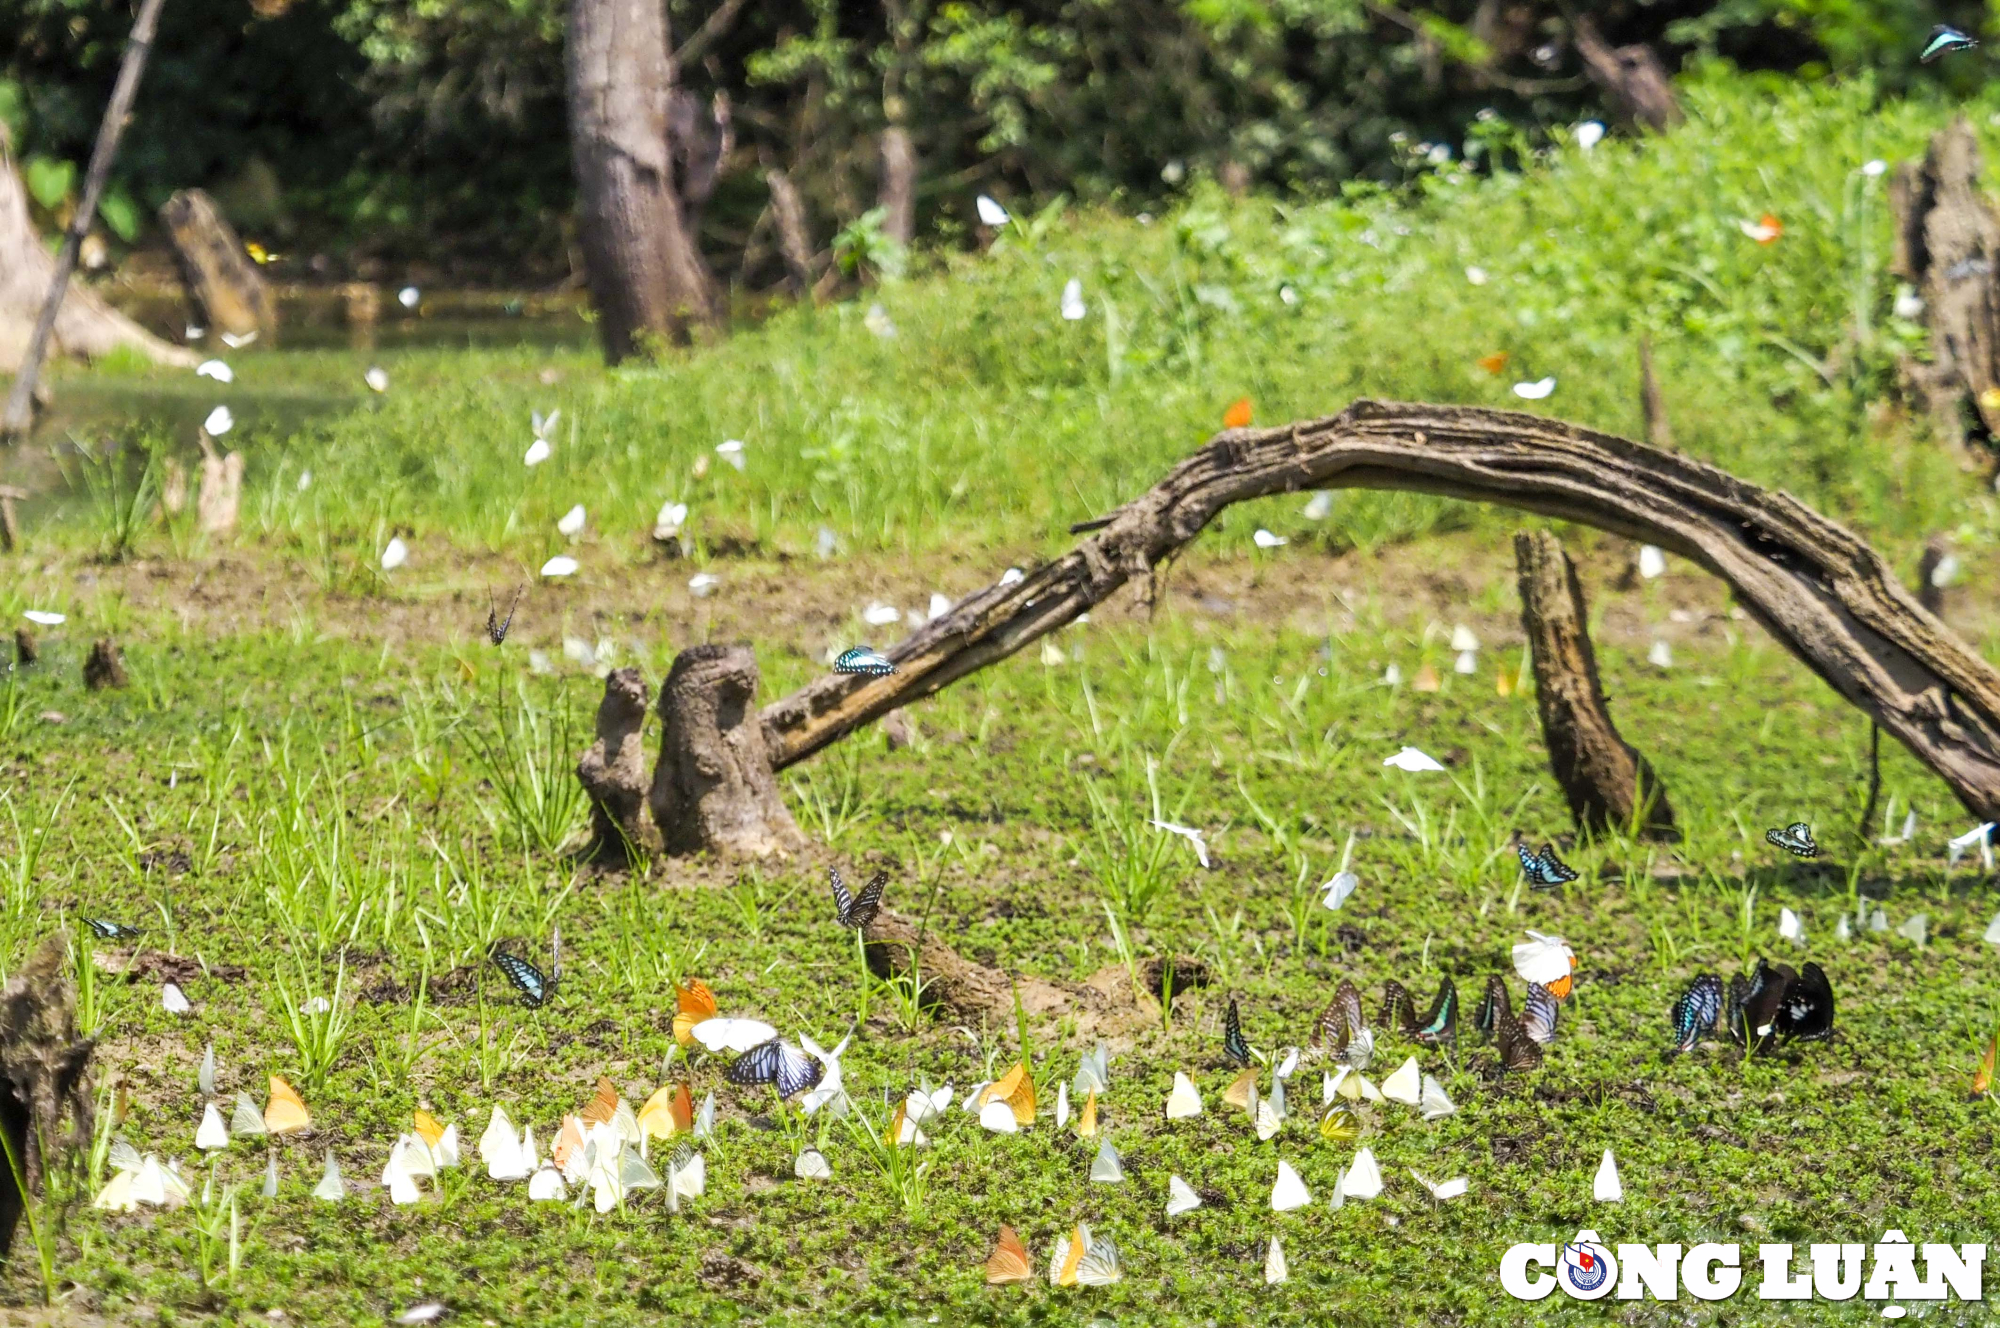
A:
{"x":869,"y":901}
{"x":1518,"y":1051}
{"x":1441,"y":1024}
{"x":1099,"y":1264}
{"x":1008,"y":1263}
{"x":775,"y":1062}
{"x":1496,"y":1007}
{"x":1232,"y":1037}
{"x":843,"y":902}
{"x":1805,"y":1011}
{"x":1554,"y":870}
{"x":1696,"y":1011}
{"x":1538,"y":1014}
{"x":1398,"y":1011}
{"x":525,"y":977}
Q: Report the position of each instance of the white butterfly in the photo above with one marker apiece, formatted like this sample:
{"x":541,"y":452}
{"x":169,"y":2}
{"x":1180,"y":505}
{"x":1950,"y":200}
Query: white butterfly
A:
{"x":1589,"y":134}
{"x":1414,"y":761}
{"x":999,"y":1118}
{"x":1450,"y":1189}
{"x":1192,"y":836}
{"x":1978,"y":834}
{"x":270,"y":1189}
{"x":1062,"y":1105}
{"x":1274,"y":1264}
{"x":1544,"y":959}
{"x":1264,"y":539}
{"x":175,"y":1001}
{"x":1184,"y":1101}
{"x":1607,"y":1188}
{"x":538,"y":452}
{"x":396,"y":1177}
{"x":1652,"y":562}
{"x":1289,"y":1191}
{"x":1268,"y":1117}
{"x":737,"y":1035}
{"x":541,"y":423}
{"x":1992,"y":935}
{"x":1106,"y":1168}
{"x":1318,"y":507}
{"x":43,"y":618}
{"x":560,"y":565}
{"x":572,"y":521}
{"x":204,"y":1077}
{"x":500,"y":1149}
{"x":215,"y":369}
{"x":1181,"y":1197}
{"x":234,"y":341}
{"x":877,"y":320}
{"x":829,"y":1092}
{"x":1406,"y":1085}
{"x":812,"y":1165}
{"x":1535,"y":391}
{"x":701,"y":585}
{"x":1072,"y":301}
{"x":1364,"y":1179}
{"x":219,"y":422}
{"x":731,"y":450}
{"x":672,"y":516}
{"x":1759,"y":231}
{"x":408,"y":297}
{"x":881,"y":615}
{"x":394,"y":554}
{"x":990,"y":212}
{"x":377,"y":379}
{"x":212,"y":1135}
{"x":1915,"y":928}
{"x":1093,"y":1073}
{"x":1435,"y":1104}
{"x":330,"y":1188}
{"x":1790,"y":928}
{"x":246,"y":1120}
{"x":1661,"y":656}
{"x":546,"y":1185}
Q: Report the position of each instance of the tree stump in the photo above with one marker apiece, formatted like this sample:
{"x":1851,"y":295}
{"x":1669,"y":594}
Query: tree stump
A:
{"x":221,"y":280}
{"x":1632,"y":77}
{"x":1947,"y":245}
{"x":105,"y":667}
{"x":714,"y":788}
{"x":896,"y":191}
{"x":45,"y":1099}
{"x":1609,"y":785}
{"x":613,"y":771}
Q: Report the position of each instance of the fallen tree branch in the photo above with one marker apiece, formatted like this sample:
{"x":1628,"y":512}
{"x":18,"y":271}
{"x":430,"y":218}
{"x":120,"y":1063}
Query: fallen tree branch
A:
{"x":1816,"y":586}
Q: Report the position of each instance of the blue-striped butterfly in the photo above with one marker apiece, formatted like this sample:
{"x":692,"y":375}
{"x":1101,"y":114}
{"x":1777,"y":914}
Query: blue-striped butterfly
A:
{"x":1697,"y":1011}
{"x":1232,"y":1037}
{"x":535,"y":986}
{"x":1342,"y":1031}
{"x":112,"y":931}
{"x":1544,"y":870}
{"x":857,"y":910}
{"x":1440,"y":1025}
{"x":1943,"y":41}
{"x":775,"y":1062}
{"x":864,"y":660}
{"x":1796,"y":839}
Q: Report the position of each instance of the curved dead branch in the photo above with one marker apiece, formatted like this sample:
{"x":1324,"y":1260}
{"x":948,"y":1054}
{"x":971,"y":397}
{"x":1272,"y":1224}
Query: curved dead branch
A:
{"x":1812,"y":583}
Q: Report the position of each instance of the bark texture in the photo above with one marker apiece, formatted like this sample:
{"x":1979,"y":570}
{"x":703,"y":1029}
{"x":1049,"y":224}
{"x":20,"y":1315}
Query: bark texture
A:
{"x":613,"y":771}
{"x":788,"y":218}
{"x":1817,"y":587}
{"x":1632,"y":77}
{"x":45,"y":1098}
{"x":714,"y":787}
{"x":1609,"y":785}
{"x":221,"y":280}
{"x":896,"y":190}
{"x":647,"y":279}
{"x":1947,"y":245}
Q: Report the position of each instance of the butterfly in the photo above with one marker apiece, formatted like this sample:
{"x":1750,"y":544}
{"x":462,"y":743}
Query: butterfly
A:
{"x":1795,"y":839}
{"x":1341,"y":1030}
{"x":1008,"y":1264}
{"x":112,"y":931}
{"x":775,"y":1062}
{"x":1805,"y":1011}
{"x":668,"y":1112}
{"x":286,"y":1112}
{"x":535,"y":986}
{"x":1233,"y":1044}
{"x":1754,"y":1002}
{"x":1519,"y":1044}
{"x":1239,"y":414}
{"x":1440,"y":1025}
{"x":1015,"y":1091}
{"x":1698,"y":1010}
{"x":1982,"y":1078}
{"x":1547,"y":960}
{"x":1544,"y":870}
{"x":496,"y":627}
{"x":864,"y":660}
{"x":857,"y":910}
{"x":1944,"y":41}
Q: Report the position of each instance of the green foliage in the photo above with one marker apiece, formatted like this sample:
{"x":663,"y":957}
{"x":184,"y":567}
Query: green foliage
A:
{"x":48,"y":180}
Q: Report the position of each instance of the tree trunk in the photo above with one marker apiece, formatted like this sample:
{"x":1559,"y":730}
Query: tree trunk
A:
{"x":85,"y":326}
{"x":647,"y":279}
{"x":1610,"y":786}
{"x":1823,"y":592}
{"x":45,"y":1099}
{"x":788,"y":218}
{"x":1632,"y":77}
{"x":1947,"y":244}
{"x":221,"y":280}
{"x":896,"y":191}
{"x":613,"y":771}
{"x":714,"y":786}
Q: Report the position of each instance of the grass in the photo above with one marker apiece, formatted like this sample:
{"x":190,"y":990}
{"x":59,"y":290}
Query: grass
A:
{"x":322,"y":785}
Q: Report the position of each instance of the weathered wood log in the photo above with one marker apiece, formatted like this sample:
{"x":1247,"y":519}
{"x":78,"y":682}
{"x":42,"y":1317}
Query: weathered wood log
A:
{"x":788,"y":219}
{"x":104,"y":667}
{"x":1947,"y":245}
{"x":613,"y":771}
{"x":896,"y":189}
{"x":1608,"y":784}
{"x":1817,"y":587}
{"x":1640,"y":91}
{"x":221,"y":280}
{"x":1653,"y":402}
{"x":894,"y":947}
{"x":45,"y":1098}
{"x":714,"y":788}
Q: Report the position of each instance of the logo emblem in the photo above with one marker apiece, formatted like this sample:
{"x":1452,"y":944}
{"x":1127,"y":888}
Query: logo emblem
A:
{"x":1586,"y":1269}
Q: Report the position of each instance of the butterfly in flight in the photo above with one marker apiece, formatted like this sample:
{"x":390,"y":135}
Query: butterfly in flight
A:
{"x":1697,"y":1011}
{"x":775,"y":1062}
{"x":1796,"y":839}
{"x":1439,"y":1026}
{"x":1232,"y":1037}
{"x":112,"y":931}
{"x":496,"y":626}
{"x":858,"y":910}
{"x":1944,"y":41}
{"x":863,"y":660}
{"x":1544,"y":870}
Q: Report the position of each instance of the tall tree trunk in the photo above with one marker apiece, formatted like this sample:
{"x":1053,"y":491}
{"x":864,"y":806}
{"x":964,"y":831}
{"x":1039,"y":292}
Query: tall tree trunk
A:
{"x":896,"y":191}
{"x":647,"y":279}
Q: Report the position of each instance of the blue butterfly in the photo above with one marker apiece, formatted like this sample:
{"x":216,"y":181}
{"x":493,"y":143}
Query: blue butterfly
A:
{"x":112,"y":931}
{"x":535,"y":986}
{"x":1697,"y":1011}
{"x":775,"y":1062}
{"x":1943,"y":41}
{"x":1544,"y":870}
{"x":863,"y":659}
{"x":1796,"y":839}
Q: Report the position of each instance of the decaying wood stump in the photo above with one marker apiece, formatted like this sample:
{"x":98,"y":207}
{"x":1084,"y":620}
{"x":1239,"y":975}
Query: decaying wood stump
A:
{"x":221,"y":280}
{"x":105,"y":667}
{"x":1632,"y":77}
{"x":714,"y":787}
{"x":1947,"y":245}
{"x":613,"y":771}
{"x":1609,"y":785}
{"x":969,"y":989}
{"x":896,"y":190}
{"x":221,"y":489}
{"x":45,"y":1099}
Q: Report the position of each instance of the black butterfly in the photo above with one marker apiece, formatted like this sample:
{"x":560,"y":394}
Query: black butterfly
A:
{"x":1806,"y":1010}
{"x":1232,"y":1037}
{"x":1943,"y":41}
{"x":1795,"y":839}
{"x":496,"y":627}
{"x":1341,"y":1029}
{"x":1520,"y":1041}
{"x":1439,"y":1026}
{"x":1753,"y":1005}
{"x":775,"y":1062}
{"x":1697,"y":1011}
{"x":112,"y":931}
{"x":1538,"y":1016}
{"x":858,"y":911}
{"x":535,"y":986}
{"x":1544,"y":870}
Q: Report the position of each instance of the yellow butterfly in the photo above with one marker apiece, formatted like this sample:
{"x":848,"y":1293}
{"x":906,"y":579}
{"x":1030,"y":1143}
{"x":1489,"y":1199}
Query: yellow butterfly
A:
{"x":286,"y":1112}
{"x":428,"y":1128}
{"x":696,"y":1003}
{"x":1008,"y":1263}
{"x":1017,"y":1089}
{"x":668,"y":1112}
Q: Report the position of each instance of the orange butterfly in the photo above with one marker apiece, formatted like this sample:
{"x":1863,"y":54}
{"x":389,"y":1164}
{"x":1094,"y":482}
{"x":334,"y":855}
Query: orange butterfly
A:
{"x":1086,"y":1124}
{"x":1008,"y":1264}
{"x":1766,"y":230}
{"x":1239,"y":415}
{"x":1238,"y":1092}
{"x":1427,"y":680}
{"x":604,"y":1106}
{"x":568,"y":1141}
{"x":1495,"y":362}
{"x":286,"y":1112}
{"x":697,"y":1003}
{"x":1066,"y":1271}
{"x":1017,"y":1090}
{"x":1984,"y":1079}
{"x":428,"y":1128}
{"x":668,"y":1112}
